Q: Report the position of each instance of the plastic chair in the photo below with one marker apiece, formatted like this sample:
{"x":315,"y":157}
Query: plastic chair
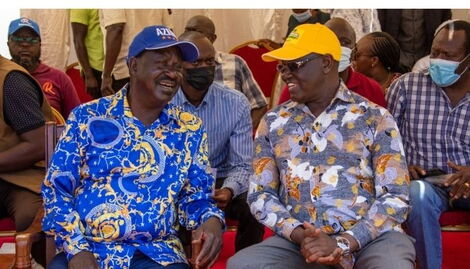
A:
{"x":455,"y":231}
{"x":73,"y":72}
{"x":265,"y":73}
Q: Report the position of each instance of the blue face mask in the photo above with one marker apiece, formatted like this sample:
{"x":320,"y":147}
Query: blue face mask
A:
{"x":443,"y":71}
{"x":302,"y":17}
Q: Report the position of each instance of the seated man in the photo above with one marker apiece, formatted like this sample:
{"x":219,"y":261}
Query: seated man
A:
{"x":226,"y":117}
{"x":24,"y":43}
{"x":355,"y":81}
{"x":232,"y":70}
{"x":23,"y":113}
{"x":131,"y":168}
{"x":433,"y":113}
{"x":330,"y":177}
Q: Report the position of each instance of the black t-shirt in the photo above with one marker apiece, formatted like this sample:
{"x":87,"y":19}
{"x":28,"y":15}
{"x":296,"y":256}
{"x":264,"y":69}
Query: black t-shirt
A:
{"x":22,"y":101}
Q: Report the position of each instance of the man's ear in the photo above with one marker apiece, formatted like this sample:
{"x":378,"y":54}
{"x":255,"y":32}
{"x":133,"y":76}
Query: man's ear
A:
{"x":132,"y":66}
{"x":463,"y":65}
{"x":328,"y":63}
{"x":213,"y":38}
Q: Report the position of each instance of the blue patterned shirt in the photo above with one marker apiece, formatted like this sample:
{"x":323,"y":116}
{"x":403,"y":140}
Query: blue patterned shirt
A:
{"x":433,"y":131}
{"x":225,"y":114}
{"x":343,"y":171}
{"x":115,"y":185}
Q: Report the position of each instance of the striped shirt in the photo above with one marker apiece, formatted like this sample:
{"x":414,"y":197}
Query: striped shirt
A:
{"x":433,"y":131}
{"x":226,"y":117}
{"x":232,"y":71}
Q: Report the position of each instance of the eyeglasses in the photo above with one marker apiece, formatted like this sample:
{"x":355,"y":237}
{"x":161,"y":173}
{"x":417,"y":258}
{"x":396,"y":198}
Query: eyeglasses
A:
{"x":355,"y":55}
{"x":294,"y":66}
{"x":29,"y":39}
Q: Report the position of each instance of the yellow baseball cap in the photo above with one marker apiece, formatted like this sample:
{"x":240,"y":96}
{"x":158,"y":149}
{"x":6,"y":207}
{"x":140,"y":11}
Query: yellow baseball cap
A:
{"x":305,"y":39}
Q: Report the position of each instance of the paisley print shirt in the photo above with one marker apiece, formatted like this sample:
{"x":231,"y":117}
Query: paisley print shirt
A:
{"x":343,"y":171}
{"x":116,"y":186}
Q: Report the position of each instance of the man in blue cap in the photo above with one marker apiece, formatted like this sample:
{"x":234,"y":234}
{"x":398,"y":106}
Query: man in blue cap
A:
{"x":24,"y":43}
{"x":131,"y":168}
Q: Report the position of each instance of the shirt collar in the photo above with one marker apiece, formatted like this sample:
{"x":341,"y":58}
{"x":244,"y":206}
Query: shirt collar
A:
{"x":207,"y":100}
{"x":120,"y":106}
{"x":343,"y":94}
{"x":42,"y":68}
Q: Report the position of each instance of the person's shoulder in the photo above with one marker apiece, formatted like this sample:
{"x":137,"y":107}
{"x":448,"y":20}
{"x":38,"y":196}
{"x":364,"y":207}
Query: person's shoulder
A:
{"x":223,"y":91}
{"x":96,"y":107}
{"x":185,"y":121}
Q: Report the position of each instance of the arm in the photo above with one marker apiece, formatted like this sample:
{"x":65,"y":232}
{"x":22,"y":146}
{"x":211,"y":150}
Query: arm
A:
{"x":196,"y":209}
{"x":113,"y":44}
{"x":392,"y":181}
{"x":263,"y":193}
{"x":79,"y":33}
{"x":251,"y":89}
{"x":22,"y":101}
{"x":396,"y":104}
{"x":240,"y":155}
{"x":69,"y":96}
{"x":61,"y":219}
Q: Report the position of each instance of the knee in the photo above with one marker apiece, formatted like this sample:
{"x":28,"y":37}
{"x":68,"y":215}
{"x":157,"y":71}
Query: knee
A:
{"x":240,"y":261}
{"x":24,"y":218}
{"x":422,"y":194}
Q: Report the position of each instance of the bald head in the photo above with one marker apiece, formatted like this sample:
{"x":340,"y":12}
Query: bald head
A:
{"x":203,"y":25}
{"x":204,"y":45}
{"x":343,"y":30}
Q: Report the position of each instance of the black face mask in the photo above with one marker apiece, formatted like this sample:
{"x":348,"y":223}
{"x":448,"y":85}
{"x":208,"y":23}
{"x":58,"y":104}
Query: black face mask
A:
{"x":200,"y":78}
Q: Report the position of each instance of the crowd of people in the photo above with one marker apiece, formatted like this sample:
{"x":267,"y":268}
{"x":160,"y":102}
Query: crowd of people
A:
{"x":343,"y":170}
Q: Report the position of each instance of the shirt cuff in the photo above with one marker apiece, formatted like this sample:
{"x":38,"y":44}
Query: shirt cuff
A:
{"x":211,"y":214}
{"x":73,"y":246}
{"x":361,"y":232}
{"x":288,"y":226}
{"x":234,"y":186}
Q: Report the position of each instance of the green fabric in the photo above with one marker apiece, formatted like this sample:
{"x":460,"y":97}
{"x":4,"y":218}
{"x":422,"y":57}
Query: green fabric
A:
{"x":94,"y":37}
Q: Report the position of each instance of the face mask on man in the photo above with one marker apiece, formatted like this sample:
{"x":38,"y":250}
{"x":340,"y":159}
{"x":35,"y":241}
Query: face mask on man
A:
{"x":345,"y":60}
{"x":302,"y":17}
{"x":443,"y":71}
{"x":200,"y":78}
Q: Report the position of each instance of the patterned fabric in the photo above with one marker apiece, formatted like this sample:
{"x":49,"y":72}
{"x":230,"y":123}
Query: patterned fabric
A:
{"x":232,"y":71}
{"x":225,"y":114}
{"x":115,"y":185}
{"x":343,"y":171}
{"x":433,"y":131}
{"x":363,"y":21}
{"x":22,"y":108}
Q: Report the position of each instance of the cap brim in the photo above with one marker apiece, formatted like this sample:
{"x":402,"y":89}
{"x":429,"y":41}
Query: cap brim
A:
{"x":189,"y":51}
{"x":286,"y":53}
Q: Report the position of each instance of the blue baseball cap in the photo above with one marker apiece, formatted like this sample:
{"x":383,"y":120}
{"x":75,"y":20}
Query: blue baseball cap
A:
{"x":17,"y":24}
{"x":160,"y":37}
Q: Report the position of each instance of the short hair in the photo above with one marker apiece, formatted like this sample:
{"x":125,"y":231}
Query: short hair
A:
{"x":458,"y":25}
{"x":191,"y":35}
{"x":387,"y":49}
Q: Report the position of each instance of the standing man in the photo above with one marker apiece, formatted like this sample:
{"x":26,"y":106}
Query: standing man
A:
{"x":413,"y":29}
{"x":24,"y":43}
{"x":330,"y":177}
{"x":226,"y":117}
{"x":231,"y":70}
{"x":433,"y":113}
{"x":119,"y":27}
{"x":131,"y":168}
{"x":88,"y":42}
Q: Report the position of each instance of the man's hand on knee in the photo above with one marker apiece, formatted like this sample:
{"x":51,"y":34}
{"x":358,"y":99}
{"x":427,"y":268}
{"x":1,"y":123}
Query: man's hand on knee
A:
{"x":83,"y":260}
{"x":319,"y":247}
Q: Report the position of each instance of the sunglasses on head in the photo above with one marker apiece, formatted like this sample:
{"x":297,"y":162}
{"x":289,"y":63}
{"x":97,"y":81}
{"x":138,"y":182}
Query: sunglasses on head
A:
{"x":293,"y":66}
{"x":29,"y":39}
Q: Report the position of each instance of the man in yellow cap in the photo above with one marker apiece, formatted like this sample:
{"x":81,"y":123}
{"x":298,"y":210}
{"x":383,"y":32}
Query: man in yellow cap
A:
{"x":330,"y":177}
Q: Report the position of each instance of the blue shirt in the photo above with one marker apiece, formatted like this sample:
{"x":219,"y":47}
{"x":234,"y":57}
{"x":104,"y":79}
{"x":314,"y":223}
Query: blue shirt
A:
{"x":225,"y":114}
{"x":115,"y":185}
{"x":433,"y":131}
